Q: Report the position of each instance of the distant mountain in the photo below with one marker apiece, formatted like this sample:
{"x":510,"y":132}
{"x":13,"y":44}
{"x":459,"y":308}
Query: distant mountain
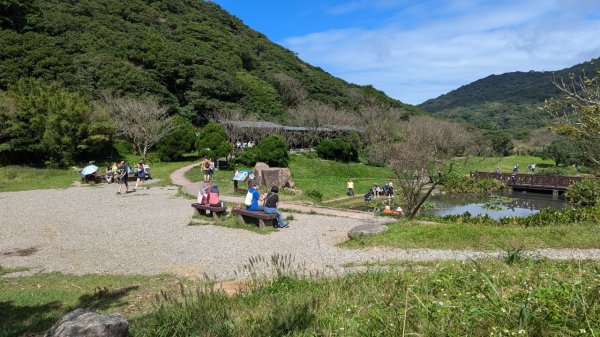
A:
{"x":509,"y":101}
{"x":191,"y":53}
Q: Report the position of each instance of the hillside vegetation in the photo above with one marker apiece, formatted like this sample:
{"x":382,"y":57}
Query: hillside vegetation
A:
{"x":191,"y":54}
{"x":509,"y":101}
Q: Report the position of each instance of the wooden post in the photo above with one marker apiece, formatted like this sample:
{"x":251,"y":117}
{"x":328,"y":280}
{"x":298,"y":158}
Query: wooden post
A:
{"x":510,"y":190}
{"x":555,"y":194}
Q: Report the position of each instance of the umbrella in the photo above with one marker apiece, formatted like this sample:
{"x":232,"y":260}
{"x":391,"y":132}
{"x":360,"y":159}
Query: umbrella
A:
{"x":89,"y":170}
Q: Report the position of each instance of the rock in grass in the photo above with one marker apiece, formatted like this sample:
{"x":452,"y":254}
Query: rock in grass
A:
{"x":367,"y":230}
{"x":85,"y":323}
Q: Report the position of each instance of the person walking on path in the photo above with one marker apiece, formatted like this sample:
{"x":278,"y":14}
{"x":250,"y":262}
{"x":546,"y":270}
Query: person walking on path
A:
{"x":205,"y":167}
{"x":141,"y":175}
{"x":271,"y":204}
{"x":350,"y":185}
{"x":121,"y":177}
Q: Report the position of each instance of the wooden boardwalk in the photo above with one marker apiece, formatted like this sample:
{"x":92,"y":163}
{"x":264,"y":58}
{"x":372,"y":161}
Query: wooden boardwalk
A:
{"x":539,"y":182}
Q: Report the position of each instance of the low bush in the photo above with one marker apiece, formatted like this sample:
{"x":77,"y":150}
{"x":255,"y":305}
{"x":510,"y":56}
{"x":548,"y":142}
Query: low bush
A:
{"x":584,"y":193}
{"x":456,"y":183}
{"x":316,"y":195}
{"x":337,"y":149}
{"x":546,"y":217}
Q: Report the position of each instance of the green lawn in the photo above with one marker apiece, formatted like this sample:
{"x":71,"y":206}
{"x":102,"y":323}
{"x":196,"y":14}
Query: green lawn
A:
{"x":32,"y":304}
{"x":506,"y":164}
{"x":417,"y":234}
{"x":330,"y":177}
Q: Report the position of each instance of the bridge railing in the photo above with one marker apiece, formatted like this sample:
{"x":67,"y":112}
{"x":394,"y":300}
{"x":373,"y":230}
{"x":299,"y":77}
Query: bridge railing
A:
{"x":534,"y":181}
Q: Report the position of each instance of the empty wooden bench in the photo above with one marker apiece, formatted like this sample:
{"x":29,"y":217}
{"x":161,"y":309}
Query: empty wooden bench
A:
{"x":204,"y":209}
{"x":244,"y":216}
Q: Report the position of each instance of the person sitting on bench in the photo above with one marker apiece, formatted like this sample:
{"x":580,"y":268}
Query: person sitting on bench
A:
{"x":271,"y":204}
{"x":254,"y":206}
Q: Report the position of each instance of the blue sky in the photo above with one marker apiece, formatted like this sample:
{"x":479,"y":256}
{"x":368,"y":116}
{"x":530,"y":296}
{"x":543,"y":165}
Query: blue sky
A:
{"x":416,"y":50}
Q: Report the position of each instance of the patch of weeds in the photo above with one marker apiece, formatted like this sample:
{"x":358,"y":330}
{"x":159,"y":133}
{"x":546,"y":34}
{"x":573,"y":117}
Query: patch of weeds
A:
{"x":289,"y":217}
{"x":315,"y":195}
{"x":5,"y":271}
{"x":513,"y":255}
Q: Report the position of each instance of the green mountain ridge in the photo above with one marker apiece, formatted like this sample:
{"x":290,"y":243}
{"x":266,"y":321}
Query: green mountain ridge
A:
{"x":191,"y":54}
{"x":510,"y":101}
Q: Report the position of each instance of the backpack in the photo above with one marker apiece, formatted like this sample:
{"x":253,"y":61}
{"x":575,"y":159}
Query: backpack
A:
{"x":248,"y":200}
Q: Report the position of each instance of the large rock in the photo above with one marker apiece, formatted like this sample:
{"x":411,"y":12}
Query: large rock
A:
{"x":85,"y":323}
{"x":367,"y":230}
{"x":276,"y":176}
{"x":258,"y":169}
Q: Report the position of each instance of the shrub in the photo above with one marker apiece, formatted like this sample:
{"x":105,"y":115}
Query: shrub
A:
{"x":173,"y":146}
{"x":212,"y":141}
{"x":316,"y":195}
{"x":246,"y":157}
{"x":273,"y":151}
{"x":456,"y":183}
{"x":337,"y":149}
{"x":584,"y":193}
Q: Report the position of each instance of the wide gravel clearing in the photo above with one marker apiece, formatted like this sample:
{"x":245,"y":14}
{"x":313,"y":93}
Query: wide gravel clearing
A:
{"x":90,"y":229}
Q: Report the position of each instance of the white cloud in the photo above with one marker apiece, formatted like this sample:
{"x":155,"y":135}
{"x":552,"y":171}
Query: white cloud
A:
{"x":413,"y":59}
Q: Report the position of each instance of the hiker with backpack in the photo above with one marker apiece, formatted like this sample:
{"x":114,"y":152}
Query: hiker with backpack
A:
{"x":205,"y":167}
{"x":122,"y":177}
{"x":141,"y":174}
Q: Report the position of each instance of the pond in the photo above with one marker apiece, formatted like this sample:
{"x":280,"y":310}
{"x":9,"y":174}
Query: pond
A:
{"x":520,"y":204}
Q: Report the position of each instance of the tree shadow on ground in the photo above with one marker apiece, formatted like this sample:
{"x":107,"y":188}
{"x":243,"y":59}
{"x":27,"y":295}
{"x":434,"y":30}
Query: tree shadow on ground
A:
{"x":103,"y":298}
{"x":34,"y":320}
{"x":17,"y":320}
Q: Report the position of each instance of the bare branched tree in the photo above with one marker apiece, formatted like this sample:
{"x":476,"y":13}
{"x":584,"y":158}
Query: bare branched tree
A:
{"x":317,"y":116}
{"x":290,"y":90}
{"x":143,"y":122}
{"x":420,"y":157}
{"x":579,"y":112}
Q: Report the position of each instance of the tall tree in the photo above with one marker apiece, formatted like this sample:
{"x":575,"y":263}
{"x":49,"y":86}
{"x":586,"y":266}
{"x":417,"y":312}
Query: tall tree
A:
{"x":144,"y":122}
{"x":579,"y":112}
{"x":45,"y":124}
{"x":420,"y":156}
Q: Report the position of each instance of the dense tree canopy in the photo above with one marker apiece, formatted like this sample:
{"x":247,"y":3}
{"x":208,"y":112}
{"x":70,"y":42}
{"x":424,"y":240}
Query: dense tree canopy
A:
{"x":191,"y":54}
{"x":45,"y":124}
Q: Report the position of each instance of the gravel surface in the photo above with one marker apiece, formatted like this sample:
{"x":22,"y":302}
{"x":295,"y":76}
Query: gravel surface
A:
{"x":90,"y":229}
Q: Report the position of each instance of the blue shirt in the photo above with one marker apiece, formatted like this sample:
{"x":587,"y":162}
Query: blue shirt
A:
{"x":255,"y":196}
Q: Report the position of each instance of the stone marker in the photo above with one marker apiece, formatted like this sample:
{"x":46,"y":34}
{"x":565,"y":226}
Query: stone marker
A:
{"x":85,"y":323}
{"x":367,"y":230}
{"x":277,"y":176}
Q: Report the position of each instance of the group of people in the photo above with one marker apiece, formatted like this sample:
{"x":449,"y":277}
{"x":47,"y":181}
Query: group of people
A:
{"x":209,"y":195}
{"x":240,"y":145}
{"x":207,"y":165}
{"x":270,"y":203}
{"x":120,"y":173}
{"x":377,"y":191}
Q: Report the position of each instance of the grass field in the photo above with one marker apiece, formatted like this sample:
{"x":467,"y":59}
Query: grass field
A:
{"x":417,"y":234}
{"x":512,"y":296}
{"x":506,"y":164}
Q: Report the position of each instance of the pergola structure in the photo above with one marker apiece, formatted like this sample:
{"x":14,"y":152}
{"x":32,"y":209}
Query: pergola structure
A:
{"x":295,"y":136}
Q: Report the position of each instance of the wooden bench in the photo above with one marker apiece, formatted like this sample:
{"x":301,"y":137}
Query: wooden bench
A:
{"x":204,"y":209}
{"x":244,"y":216}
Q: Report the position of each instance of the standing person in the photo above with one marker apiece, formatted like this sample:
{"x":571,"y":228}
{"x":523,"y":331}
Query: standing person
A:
{"x":211,"y":168}
{"x":498,"y":175}
{"x":121,"y":176}
{"x":350,"y":186}
{"x":532,"y":168}
{"x":271,"y":204}
{"x":205,"y":167}
{"x":391,"y":188}
{"x":141,"y":174}
{"x":254,"y":206}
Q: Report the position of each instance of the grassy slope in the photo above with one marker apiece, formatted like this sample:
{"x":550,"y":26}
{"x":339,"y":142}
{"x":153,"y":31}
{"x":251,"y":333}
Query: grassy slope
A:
{"x":479,"y":237}
{"x":489,"y":164}
{"x":452,"y":298}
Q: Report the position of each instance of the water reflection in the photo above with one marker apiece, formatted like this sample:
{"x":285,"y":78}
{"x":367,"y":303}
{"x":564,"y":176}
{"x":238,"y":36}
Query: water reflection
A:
{"x":519,"y":204}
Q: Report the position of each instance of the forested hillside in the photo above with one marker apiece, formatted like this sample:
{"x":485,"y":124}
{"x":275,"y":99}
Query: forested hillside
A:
{"x":509,"y":101}
{"x":191,"y":54}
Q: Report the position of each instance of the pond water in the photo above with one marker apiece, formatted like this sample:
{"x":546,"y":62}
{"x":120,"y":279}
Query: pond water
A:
{"x":520,"y":204}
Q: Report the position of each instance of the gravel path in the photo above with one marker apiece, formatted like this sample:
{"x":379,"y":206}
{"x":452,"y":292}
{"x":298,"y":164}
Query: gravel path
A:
{"x":89,"y":229}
